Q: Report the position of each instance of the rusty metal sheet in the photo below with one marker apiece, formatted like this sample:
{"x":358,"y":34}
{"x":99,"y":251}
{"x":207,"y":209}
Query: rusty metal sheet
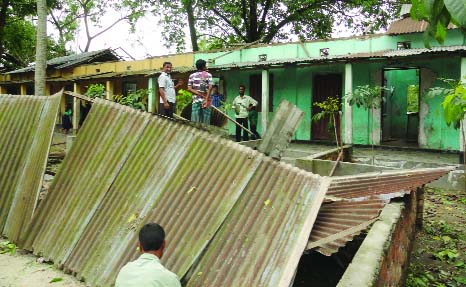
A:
{"x":186,"y":180}
{"x":383,"y":184}
{"x":338,"y":222}
{"x":95,"y":159}
{"x":409,"y":25}
{"x":128,"y":168}
{"x":261,"y":242}
{"x":26,"y":124}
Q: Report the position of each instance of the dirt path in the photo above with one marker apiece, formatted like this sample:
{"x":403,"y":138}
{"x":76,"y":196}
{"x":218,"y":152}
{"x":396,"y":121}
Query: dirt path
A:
{"x":439,"y":255}
{"x":23,"y":270}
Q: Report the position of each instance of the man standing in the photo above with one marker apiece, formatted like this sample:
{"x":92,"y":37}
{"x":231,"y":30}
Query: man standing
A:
{"x":200,"y":84}
{"x":147,"y":270}
{"x":242,"y":105}
{"x":167,"y":91}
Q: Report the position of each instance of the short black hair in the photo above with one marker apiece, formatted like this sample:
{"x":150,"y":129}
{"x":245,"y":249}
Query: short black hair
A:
{"x":151,"y":237}
{"x":166,"y":63}
{"x":242,"y":86}
{"x":200,"y":64}
{"x":214,"y":86}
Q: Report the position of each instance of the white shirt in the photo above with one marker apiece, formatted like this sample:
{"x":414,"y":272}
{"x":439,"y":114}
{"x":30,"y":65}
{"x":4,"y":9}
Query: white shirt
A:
{"x":146,"y":271}
{"x":241,"y":104}
{"x":166,"y":82}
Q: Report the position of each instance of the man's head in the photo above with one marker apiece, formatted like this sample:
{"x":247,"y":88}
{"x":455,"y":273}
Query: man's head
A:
{"x":214,"y":89}
{"x":201,"y":65}
{"x":242,"y":88}
{"x":152,"y":239}
{"x":167,"y":67}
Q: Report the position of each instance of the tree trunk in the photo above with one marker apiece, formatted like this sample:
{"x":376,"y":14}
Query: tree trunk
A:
{"x":192,"y":27}
{"x":41,"y":49}
{"x":3,"y":13}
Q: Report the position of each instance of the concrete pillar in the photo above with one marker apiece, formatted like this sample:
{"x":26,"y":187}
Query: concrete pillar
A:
{"x":109,"y":90}
{"x":152,"y":86}
{"x":22,"y":90}
{"x":463,"y":79}
{"x":265,"y":100}
{"x":76,"y":107}
{"x":348,"y":137}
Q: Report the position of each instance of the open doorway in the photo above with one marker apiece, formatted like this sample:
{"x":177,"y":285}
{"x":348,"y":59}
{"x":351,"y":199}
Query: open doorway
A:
{"x":400,"y":112}
{"x":325,"y":86}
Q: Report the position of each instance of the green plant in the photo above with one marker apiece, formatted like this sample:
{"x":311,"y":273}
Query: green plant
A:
{"x":7,"y":247}
{"x":136,"y":99}
{"x":447,"y":255}
{"x":330,"y":108}
{"x":369,"y":98}
{"x":421,"y":279}
{"x":183,"y":98}
{"x":95,"y":91}
{"x":413,"y":98}
{"x":454,"y":103}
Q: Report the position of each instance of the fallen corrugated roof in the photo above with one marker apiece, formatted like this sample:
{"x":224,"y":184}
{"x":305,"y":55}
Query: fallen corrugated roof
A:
{"x":128,"y":168}
{"x":104,"y":55}
{"x":387,"y":54}
{"x":26,"y":125}
{"x":408,"y":25}
{"x":338,"y":222}
{"x":383,"y":184}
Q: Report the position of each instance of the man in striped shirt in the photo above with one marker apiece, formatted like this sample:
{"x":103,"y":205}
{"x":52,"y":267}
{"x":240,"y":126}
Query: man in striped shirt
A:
{"x":200,"y":84}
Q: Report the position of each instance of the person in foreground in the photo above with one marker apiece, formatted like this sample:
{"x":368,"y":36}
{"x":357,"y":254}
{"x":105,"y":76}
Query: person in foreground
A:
{"x":147,"y":270}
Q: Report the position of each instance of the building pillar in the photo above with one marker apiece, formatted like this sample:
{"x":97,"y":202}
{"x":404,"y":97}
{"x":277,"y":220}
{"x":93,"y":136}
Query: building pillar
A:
{"x":348,"y":137}
{"x":152,"y":86}
{"x":22,"y":90}
{"x":265,"y":100}
{"x":76,"y":107}
{"x":463,"y":123}
{"x":3,"y":90}
{"x":109,"y":90}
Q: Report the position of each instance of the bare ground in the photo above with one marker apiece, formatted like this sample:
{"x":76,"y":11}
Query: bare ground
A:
{"x":22,"y":270}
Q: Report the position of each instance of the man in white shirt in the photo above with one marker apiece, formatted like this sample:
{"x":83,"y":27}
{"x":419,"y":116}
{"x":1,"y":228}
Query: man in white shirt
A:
{"x":147,"y":270}
{"x":167,"y":91}
{"x":242,"y":105}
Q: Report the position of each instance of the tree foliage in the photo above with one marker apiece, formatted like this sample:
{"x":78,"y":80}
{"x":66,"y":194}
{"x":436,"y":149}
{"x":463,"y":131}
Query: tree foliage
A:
{"x":17,"y":34}
{"x":439,"y":14}
{"x":247,"y":21}
{"x":68,"y":16}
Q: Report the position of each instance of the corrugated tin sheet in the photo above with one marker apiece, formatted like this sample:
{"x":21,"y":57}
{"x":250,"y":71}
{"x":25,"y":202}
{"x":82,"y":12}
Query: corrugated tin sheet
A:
{"x":382,"y":184}
{"x":128,"y":168}
{"x":26,"y":125}
{"x":408,"y":25}
{"x":104,"y":55}
{"x":261,"y":242}
{"x":338,"y":222}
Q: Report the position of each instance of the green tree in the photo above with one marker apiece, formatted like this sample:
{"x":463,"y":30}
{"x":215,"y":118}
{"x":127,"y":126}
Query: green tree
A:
{"x":265,"y":21}
{"x":439,"y":14}
{"x":69,"y":14}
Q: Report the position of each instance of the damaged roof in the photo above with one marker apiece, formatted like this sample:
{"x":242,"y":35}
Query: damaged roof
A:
{"x":105,"y":55}
{"x":133,"y":168}
{"x":408,"y":25}
{"x":26,"y":124}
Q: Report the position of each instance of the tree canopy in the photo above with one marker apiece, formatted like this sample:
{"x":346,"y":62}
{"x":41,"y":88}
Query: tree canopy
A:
{"x":17,"y":34}
{"x":219,"y":23}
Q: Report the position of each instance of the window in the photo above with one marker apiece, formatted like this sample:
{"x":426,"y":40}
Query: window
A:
{"x":129,"y":87}
{"x":403,"y":45}
{"x":255,"y":90}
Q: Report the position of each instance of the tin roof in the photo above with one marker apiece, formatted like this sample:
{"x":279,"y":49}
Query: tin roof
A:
{"x":387,"y":54}
{"x":26,"y":125}
{"x":104,"y":55}
{"x":338,"y":222}
{"x":409,"y":25}
{"x":127,"y":168}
